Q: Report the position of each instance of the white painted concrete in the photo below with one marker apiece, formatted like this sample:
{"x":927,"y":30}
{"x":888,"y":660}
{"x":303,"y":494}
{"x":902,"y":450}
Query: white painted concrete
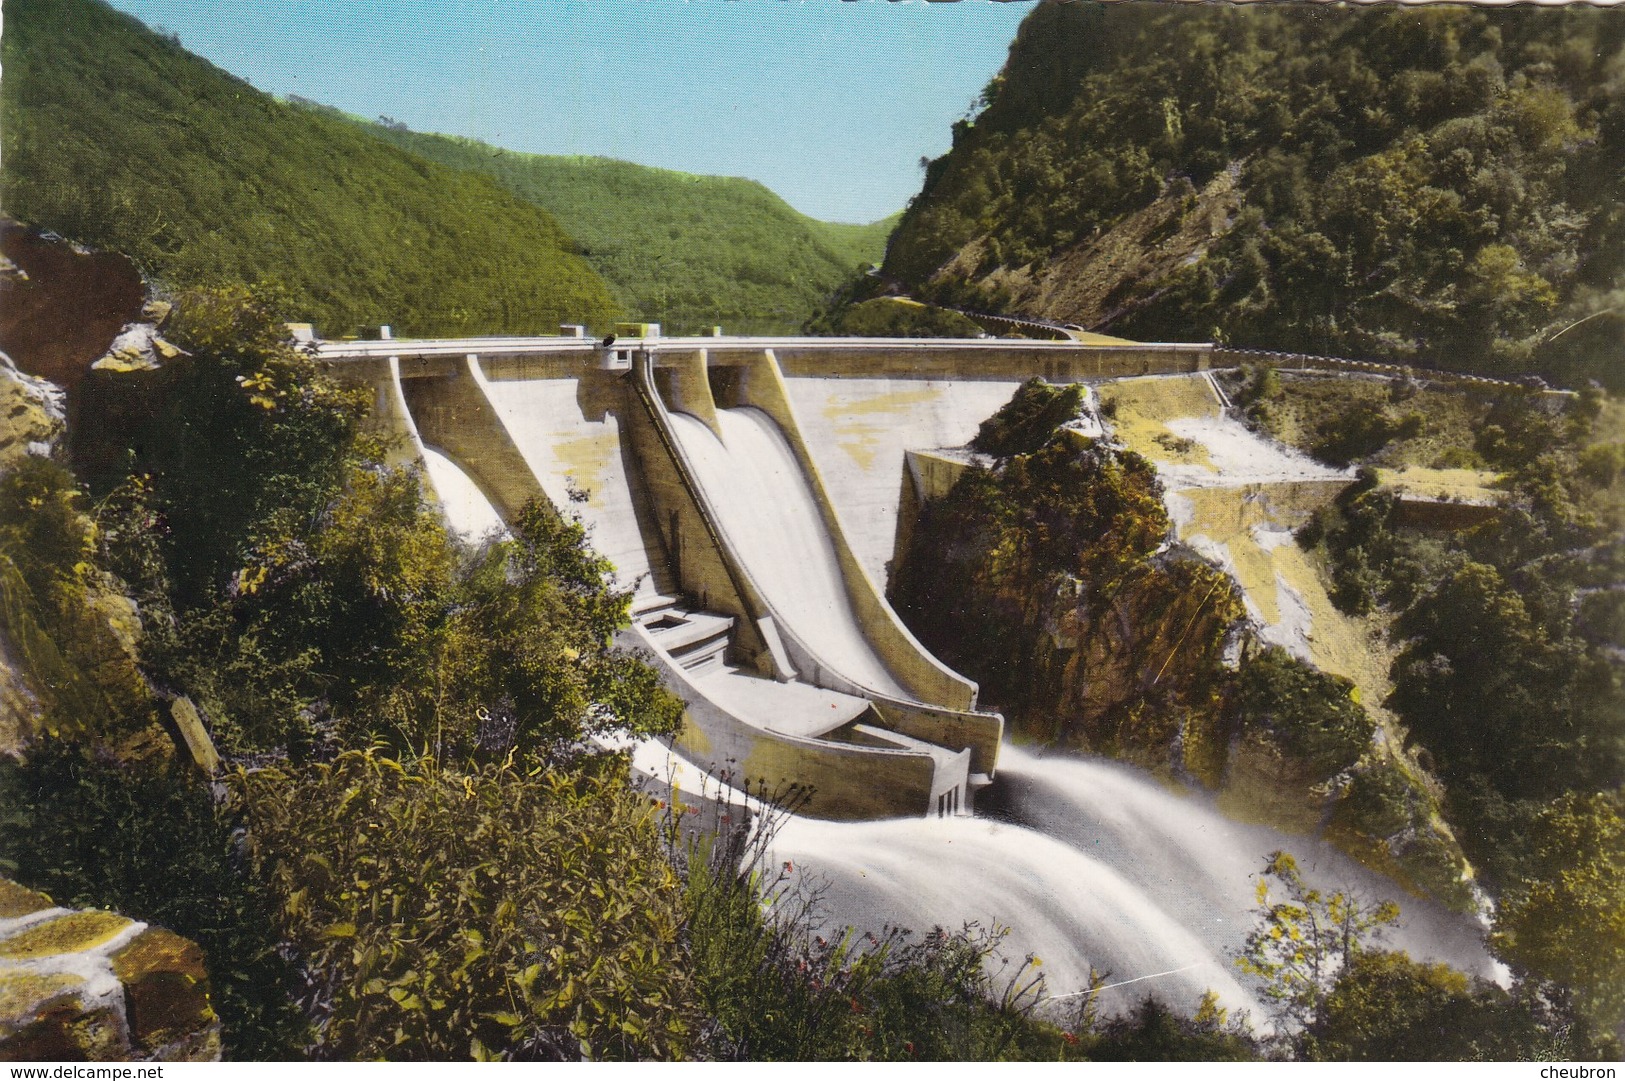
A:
{"x":570,"y":451}
{"x":769,"y":514}
{"x":796,"y":709}
{"x":463,"y":505}
{"x":858,"y":429}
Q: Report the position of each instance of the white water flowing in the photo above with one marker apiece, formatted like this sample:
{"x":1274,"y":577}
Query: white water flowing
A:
{"x":766,"y":508}
{"x":464,"y":506}
{"x":1100,"y":866}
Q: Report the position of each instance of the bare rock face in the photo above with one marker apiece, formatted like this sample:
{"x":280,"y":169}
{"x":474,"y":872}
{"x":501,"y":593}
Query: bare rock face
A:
{"x":138,"y":348}
{"x":60,"y":306}
{"x":31,"y":423}
{"x":32,"y":414}
{"x":19,"y":705}
{"x":96,"y":986}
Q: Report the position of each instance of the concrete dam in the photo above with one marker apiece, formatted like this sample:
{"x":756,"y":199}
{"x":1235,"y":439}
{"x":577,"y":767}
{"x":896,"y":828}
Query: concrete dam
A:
{"x":750,"y":492}
{"x":753,"y":492}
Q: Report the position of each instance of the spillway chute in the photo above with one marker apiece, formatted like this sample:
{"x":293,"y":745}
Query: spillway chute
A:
{"x":751,"y":532}
{"x":466,"y":509}
{"x":768,"y":512}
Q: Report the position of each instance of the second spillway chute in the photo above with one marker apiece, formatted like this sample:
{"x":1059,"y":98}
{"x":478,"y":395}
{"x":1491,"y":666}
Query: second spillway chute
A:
{"x":849,"y":702}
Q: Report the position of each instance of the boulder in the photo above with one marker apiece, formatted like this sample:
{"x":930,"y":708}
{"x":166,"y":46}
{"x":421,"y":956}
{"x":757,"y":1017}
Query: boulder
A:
{"x":138,"y":348}
{"x":61,"y":306}
{"x":96,"y":986}
{"x":32,"y":414}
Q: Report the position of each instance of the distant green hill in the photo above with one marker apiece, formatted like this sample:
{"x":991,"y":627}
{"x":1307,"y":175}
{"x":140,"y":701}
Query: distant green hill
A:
{"x":682,"y":250}
{"x":1440,"y":183}
{"x":117,"y":138}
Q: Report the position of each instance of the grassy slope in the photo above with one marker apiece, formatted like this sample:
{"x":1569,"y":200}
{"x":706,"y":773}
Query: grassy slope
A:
{"x":859,"y":244}
{"x":683,"y":250}
{"x":119,"y":139}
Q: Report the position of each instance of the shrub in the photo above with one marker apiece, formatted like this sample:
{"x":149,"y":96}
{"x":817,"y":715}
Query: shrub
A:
{"x":1312,"y":714}
{"x":1029,"y":419}
{"x":885,"y":317}
{"x":1155,"y":1033}
{"x":1360,"y":432}
{"x":498,"y":913}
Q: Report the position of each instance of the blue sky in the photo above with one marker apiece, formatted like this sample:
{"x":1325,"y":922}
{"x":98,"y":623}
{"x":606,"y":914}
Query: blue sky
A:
{"x":831,"y":103}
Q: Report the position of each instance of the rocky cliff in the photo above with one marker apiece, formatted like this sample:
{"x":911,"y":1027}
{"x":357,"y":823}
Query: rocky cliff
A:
{"x":69,"y":642}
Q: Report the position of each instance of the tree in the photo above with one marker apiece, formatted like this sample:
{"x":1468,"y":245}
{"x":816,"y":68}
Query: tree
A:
{"x":1312,"y":714}
{"x":1485,"y":684}
{"x":1304,"y":941}
{"x":524,"y":657}
{"x":1566,"y":922}
{"x":1029,"y":419}
{"x":1385,"y":1006}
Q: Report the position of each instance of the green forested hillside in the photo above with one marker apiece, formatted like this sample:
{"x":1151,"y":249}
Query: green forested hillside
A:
{"x":119,"y":139}
{"x":1439,"y":184}
{"x":682,"y":250}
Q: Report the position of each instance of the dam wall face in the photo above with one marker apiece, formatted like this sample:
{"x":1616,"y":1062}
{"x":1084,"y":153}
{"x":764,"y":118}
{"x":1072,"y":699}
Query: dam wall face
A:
{"x":859,"y":431}
{"x":748,"y":493}
{"x":862,"y":405}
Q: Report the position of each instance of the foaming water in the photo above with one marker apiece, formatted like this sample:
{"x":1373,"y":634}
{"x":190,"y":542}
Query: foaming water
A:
{"x":1066,"y":907}
{"x":1094,"y":864}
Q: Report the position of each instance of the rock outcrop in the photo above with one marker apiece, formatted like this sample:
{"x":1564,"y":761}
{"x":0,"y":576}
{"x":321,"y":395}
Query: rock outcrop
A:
{"x":32,"y":414}
{"x":61,"y":306}
{"x":1100,"y":621}
{"x":95,"y":986}
{"x":138,"y":348}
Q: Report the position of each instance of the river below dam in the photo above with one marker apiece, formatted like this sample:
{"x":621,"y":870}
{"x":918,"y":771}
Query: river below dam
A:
{"x":1090,"y":864}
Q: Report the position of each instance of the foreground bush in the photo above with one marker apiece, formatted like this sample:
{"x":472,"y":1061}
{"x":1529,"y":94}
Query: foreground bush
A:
{"x":497,"y":913}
